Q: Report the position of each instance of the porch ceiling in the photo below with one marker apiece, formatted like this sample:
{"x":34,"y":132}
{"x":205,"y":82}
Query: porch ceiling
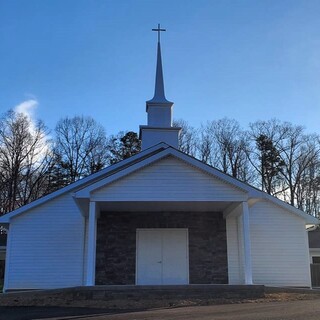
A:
{"x":158,"y":206}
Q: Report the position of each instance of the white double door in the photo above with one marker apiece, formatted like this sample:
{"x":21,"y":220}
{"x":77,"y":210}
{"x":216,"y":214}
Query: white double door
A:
{"x":162,"y":256}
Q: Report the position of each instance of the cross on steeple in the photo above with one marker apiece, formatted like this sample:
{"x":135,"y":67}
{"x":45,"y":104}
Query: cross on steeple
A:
{"x":159,"y":30}
{"x":159,"y":110}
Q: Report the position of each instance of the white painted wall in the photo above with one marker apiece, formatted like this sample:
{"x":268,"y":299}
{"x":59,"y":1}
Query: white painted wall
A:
{"x":234,"y":246}
{"x":152,"y":136}
{"x":159,"y":128}
{"x":46,"y":247}
{"x":279,"y":246}
{"x":169,"y":179}
{"x":160,"y":115}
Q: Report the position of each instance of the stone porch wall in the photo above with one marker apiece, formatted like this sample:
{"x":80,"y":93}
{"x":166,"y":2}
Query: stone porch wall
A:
{"x":116,"y":245}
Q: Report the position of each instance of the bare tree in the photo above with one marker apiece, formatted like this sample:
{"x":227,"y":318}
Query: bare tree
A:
{"x":299,"y":152}
{"x":287,"y":161}
{"x":187,"y":137}
{"x":79,"y":149}
{"x":205,"y":144}
{"x":230,"y":146}
{"x":308,"y":190}
{"x":24,"y":160}
{"x":223,"y":144}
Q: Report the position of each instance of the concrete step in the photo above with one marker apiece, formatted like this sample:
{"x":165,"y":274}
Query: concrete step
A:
{"x":169,"y":292}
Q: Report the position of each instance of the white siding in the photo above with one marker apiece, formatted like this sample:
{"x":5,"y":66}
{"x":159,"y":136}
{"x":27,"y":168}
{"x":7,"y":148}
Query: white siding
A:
{"x":279,"y":245}
{"x":47,"y":247}
{"x":168,"y":179}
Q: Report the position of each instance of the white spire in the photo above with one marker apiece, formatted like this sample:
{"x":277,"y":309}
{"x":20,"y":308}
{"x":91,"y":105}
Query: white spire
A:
{"x":159,"y":95}
{"x":159,"y":109}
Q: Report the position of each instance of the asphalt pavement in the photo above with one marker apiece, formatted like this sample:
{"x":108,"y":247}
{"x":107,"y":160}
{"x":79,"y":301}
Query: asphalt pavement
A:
{"x":291,"y":310}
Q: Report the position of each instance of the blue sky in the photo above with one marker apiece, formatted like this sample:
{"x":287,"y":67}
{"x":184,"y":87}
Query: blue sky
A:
{"x":247,"y":60}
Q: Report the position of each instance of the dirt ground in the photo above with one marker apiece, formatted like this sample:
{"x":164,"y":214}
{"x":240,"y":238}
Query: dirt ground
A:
{"x":29,"y":299}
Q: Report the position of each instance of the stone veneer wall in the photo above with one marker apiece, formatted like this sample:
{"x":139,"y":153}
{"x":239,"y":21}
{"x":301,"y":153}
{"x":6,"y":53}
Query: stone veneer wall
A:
{"x":116,"y":245}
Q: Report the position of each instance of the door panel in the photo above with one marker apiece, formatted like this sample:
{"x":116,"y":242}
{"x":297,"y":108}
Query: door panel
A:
{"x":149,"y":257}
{"x":162,"y":256}
{"x":174,"y":257}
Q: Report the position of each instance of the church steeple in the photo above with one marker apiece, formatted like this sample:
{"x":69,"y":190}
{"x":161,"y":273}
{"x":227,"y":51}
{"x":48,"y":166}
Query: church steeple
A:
{"x":159,"y":95}
{"x":159,"y":109}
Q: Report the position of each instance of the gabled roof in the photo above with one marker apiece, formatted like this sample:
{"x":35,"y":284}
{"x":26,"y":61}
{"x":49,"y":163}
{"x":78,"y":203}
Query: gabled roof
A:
{"x":83,"y":187}
{"x":85,"y":181}
{"x":170,"y":151}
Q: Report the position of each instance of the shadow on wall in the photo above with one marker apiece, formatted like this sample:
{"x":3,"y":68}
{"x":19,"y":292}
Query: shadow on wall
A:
{"x":3,"y":244}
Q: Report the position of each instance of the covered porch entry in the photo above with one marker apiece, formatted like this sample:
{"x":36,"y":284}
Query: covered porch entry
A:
{"x":159,"y":243}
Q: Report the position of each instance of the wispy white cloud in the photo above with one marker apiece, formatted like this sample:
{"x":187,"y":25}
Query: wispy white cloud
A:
{"x":27,"y":107}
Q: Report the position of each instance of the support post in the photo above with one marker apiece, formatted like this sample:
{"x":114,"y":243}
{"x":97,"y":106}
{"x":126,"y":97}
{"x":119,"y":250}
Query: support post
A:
{"x":92,"y":235}
{"x":246,"y":243}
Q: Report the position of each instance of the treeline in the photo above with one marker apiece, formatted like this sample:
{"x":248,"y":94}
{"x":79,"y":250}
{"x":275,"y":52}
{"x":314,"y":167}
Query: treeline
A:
{"x":277,"y":157}
{"x":35,"y":162}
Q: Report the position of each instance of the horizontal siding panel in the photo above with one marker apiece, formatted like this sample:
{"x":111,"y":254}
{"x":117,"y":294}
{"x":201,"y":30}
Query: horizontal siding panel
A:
{"x":169,"y":179}
{"x":279,"y":246}
{"x":46,"y":246}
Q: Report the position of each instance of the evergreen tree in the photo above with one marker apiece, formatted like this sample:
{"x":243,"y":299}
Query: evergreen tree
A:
{"x":271,"y":163}
{"x":123,"y":146}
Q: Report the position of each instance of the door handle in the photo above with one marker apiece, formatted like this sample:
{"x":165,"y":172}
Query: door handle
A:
{"x":159,"y":261}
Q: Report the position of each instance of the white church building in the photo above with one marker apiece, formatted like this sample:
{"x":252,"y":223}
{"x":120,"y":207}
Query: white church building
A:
{"x":160,"y":217}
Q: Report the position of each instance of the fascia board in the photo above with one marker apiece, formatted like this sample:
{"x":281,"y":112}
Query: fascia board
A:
{"x":78,"y":184}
